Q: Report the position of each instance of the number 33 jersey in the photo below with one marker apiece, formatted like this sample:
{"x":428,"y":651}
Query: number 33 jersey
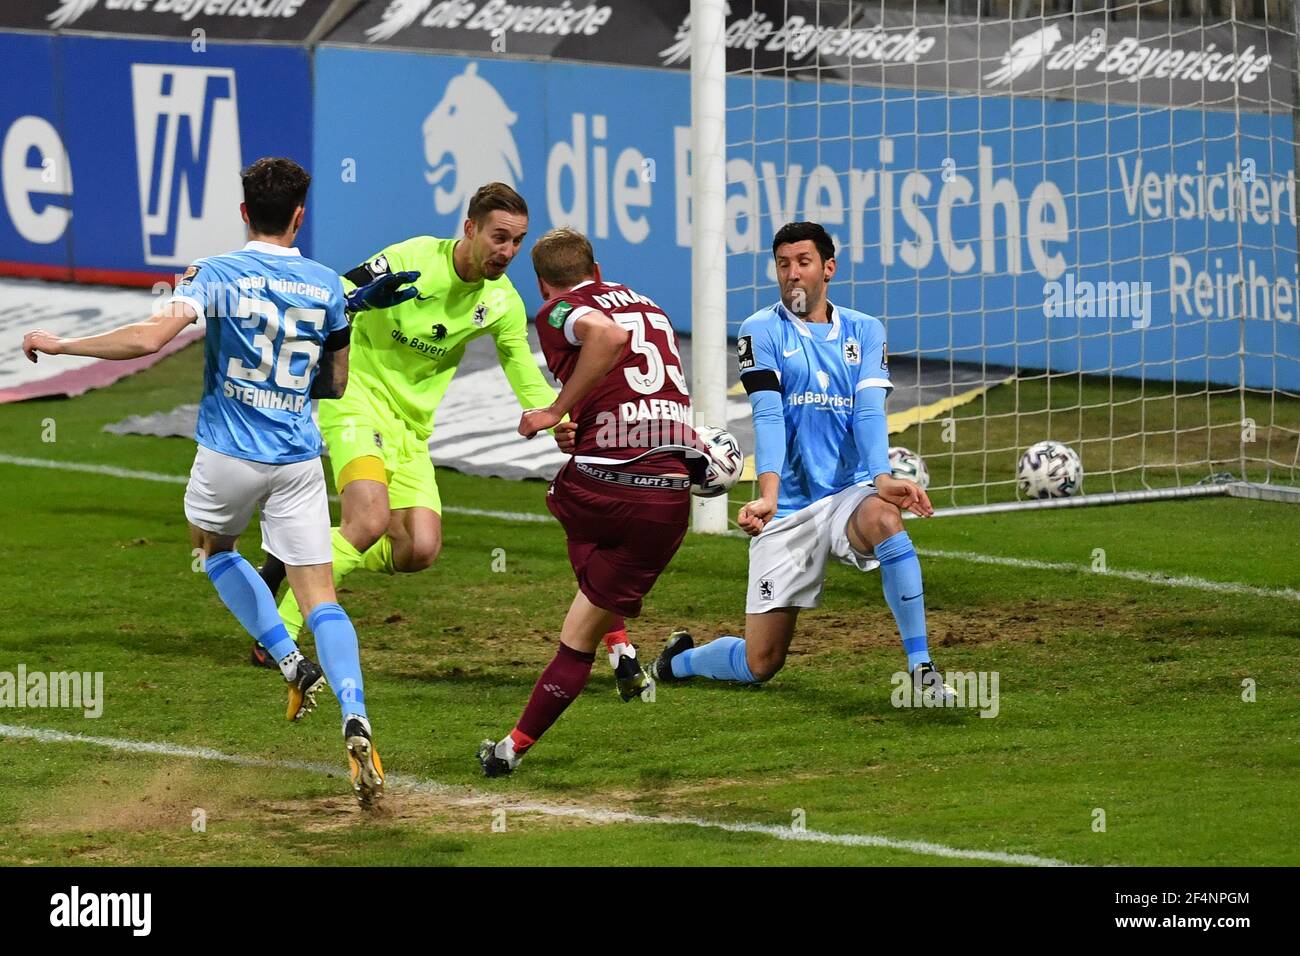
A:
{"x":643,"y":403}
{"x":270,"y":312}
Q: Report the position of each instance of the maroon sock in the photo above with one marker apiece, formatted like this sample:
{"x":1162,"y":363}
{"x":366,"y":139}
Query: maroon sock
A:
{"x":560,"y":683}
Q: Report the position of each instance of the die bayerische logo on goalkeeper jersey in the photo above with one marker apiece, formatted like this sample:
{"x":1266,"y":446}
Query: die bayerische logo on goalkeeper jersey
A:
{"x":187,"y":161}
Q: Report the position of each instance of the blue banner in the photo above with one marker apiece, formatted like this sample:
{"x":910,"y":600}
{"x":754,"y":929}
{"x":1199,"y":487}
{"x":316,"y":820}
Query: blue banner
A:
{"x":1024,"y":232}
{"x":36,"y":211}
{"x":133,"y":172}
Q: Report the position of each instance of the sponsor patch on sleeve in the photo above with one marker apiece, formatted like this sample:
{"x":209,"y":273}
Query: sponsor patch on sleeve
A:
{"x":745,"y":351}
{"x":368,"y":271}
{"x":559,"y":312}
{"x":190,"y":273}
{"x":884,"y":357}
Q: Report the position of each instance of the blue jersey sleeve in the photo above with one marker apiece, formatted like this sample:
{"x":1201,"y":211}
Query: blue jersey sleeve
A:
{"x":757,"y":353}
{"x":871,"y":430}
{"x":756,"y":347}
{"x":198,"y":287}
{"x":874,"y":370}
{"x":870,"y":423}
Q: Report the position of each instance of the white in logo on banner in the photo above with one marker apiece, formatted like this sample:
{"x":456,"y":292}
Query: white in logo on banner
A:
{"x":1024,"y":54}
{"x":470,"y":127}
{"x":188,"y":161}
{"x":68,"y":11}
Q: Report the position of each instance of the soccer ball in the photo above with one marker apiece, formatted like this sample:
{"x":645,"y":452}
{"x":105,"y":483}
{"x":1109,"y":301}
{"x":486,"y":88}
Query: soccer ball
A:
{"x":1050,"y":470}
{"x":905,"y":463}
{"x":725,"y":461}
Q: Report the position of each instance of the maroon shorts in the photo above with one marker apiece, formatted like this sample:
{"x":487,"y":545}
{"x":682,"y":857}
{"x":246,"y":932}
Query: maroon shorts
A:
{"x":620,"y":539}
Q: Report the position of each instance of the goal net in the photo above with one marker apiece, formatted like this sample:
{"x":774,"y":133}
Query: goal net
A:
{"x":1076,"y":220}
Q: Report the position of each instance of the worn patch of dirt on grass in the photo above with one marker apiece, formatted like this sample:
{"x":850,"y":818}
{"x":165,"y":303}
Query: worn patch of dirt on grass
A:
{"x":822,"y":630}
{"x":448,"y":656}
{"x":407,"y":808}
{"x":116,"y":799}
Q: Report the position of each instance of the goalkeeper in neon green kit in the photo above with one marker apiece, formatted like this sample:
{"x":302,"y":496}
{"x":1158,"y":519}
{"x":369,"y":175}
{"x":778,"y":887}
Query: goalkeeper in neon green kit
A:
{"x":414,"y":308}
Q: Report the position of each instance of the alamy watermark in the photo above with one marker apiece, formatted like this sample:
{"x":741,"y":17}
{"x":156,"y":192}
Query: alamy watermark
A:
{"x":75,"y":908}
{"x":967,"y":689}
{"x":55,"y":689}
{"x":1084,"y":299}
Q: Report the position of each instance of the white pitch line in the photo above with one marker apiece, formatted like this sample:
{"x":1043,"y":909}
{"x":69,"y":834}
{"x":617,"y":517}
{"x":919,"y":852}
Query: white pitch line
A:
{"x":114,"y":472}
{"x":1145,"y":577}
{"x":590,"y":814}
{"x":93,"y":469}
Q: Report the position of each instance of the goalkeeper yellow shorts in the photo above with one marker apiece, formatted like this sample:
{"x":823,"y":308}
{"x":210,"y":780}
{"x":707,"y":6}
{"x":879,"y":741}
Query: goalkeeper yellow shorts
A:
{"x":360,"y":425}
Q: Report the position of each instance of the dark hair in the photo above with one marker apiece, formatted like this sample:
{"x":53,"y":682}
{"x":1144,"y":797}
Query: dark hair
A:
{"x":563,"y":257}
{"x":492,"y":197}
{"x":273,"y":188}
{"x":798,"y":231}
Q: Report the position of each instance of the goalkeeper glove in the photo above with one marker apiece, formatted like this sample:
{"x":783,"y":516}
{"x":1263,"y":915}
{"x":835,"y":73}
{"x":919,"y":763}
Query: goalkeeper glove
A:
{"x":383,"y":293}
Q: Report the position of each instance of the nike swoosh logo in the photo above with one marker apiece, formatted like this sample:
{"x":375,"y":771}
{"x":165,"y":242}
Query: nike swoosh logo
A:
{"x":791,"y":352}
{"x":913,"y":597}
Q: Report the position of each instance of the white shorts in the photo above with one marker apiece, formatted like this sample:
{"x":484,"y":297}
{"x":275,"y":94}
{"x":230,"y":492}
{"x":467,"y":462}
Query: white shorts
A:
{"x":787,"y":559}
{"x":223,"y":492}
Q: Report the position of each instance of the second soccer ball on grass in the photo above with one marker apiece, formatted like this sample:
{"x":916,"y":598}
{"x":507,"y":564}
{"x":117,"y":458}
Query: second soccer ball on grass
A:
{"x":1050,"y":469}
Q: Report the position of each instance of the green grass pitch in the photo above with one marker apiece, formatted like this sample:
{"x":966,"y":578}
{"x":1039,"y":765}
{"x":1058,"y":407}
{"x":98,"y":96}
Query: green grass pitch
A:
{"x":1116,"y":695}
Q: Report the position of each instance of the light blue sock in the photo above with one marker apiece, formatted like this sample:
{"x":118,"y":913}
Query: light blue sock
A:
{"x":900,"y":576}
{"x":250,"y":600}
{"x":340,"y":658}
{"x":721,"y":659}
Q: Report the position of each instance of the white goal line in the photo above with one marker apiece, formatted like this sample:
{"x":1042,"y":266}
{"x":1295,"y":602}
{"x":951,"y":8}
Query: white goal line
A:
{"x":457,"y":795}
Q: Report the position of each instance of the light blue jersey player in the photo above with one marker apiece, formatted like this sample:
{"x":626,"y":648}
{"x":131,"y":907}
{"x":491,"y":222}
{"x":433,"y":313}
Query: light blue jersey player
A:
{"x":273,"y":315}
{"x":276,"y":337}
{"x":817,"y":377}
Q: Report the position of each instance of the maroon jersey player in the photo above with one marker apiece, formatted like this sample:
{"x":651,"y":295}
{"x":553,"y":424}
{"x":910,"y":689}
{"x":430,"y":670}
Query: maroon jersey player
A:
{"x":624,"y":497}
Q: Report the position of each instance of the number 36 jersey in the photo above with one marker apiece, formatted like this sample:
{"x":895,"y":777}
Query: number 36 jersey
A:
{"x":642,"y":404}
{"x":270,"y":313}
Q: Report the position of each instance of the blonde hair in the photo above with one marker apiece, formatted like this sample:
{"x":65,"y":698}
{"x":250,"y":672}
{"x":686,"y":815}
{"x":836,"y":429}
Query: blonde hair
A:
{"x":563,"y":257}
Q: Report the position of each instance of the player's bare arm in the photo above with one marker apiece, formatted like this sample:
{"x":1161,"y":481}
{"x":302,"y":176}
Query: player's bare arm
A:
{"x":603,"y":341}
{"x":332,"y":377}
{"x":566,"y":437}
{"x":906,"y":495}
{"x":125,"y":342}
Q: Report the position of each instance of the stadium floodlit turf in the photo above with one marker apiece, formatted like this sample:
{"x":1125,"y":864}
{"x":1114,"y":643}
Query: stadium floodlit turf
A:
{"x":1118,"y":697}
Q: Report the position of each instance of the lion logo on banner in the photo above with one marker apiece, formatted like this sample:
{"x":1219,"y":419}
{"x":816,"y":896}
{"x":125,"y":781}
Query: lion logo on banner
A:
{"x":1025,"y":54}
{"x":471,"y":126}
{"x":397,"y":16}
{"x":69,"y":11}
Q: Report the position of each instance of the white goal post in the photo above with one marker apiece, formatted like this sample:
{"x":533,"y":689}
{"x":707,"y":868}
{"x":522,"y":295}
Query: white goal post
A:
{"x":708,"y":234}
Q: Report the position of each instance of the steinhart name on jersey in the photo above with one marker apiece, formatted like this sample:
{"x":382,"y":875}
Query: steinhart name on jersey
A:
{"x":264,"y":397}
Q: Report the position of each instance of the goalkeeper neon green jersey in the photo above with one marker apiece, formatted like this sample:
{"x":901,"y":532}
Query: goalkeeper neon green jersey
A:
{"x":408,"y":354}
